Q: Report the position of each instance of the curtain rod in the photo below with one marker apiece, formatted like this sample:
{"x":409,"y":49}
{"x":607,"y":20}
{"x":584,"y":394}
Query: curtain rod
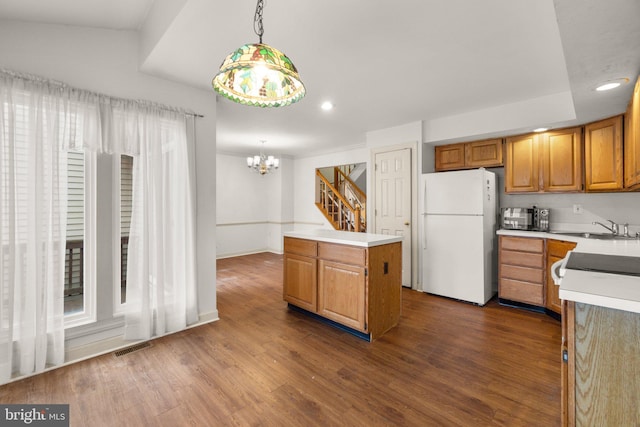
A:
{"x":65,"y":86}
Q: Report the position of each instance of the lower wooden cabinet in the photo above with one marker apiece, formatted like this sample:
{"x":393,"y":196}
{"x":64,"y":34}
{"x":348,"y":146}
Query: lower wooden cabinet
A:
{"x":521,"y":270}
{"x":300,"y":278}
{"x":600,"y":359}
{"x":341,"y":293}
{"x":556,"y":250}
{"x":358,"y":287}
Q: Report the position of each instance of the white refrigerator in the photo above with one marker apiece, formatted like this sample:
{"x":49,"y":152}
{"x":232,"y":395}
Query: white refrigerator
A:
{"x":458,"y":229}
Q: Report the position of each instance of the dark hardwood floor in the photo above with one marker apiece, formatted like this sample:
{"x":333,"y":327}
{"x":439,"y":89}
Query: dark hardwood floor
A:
{"x":448,"y":363}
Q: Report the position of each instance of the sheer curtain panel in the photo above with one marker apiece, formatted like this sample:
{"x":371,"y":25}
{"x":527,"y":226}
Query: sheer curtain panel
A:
{"x":38,"y":120}
{"x":161,"y":285}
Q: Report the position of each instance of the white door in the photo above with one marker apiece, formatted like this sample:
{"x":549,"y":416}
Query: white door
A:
{"x":393,"y":201}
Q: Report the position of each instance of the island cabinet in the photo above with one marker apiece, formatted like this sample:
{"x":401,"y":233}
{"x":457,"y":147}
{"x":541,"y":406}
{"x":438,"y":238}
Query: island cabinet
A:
{"x":556,"y":250}
{"x":300,"y":278}
{"x":355,"y":286}
{"x":600,"y":366}
{"x":521,"y":270}
{"x":544,"y":162}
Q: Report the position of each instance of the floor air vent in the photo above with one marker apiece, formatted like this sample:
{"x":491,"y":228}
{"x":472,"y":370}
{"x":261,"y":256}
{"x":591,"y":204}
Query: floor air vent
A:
{"x":131,"y":349}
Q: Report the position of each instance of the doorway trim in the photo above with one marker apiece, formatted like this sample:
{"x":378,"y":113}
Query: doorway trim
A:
{"x":413,"y":147}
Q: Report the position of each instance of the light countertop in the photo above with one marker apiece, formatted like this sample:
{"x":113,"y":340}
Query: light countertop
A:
{"x":365,"y":240}
{"x":620,"y":292}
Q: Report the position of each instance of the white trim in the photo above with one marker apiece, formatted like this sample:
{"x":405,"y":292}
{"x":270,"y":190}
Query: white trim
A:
{"x":233,"y":224}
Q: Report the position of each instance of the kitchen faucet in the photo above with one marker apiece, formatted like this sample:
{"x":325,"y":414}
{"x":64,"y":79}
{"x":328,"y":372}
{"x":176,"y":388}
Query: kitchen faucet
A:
{"x":613,"y":229}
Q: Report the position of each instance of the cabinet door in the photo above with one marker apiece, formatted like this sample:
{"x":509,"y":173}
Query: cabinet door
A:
{"x":632,"y":140}
{"x":562,"y":160}
{"x":556,"y":250}
{"x":603,"y":155}
{"x":483,"y":153}
{"x":521,"y":166}
{"x":300,"y":281}
{"x":449,"y":157}
{"x":341,"y":293}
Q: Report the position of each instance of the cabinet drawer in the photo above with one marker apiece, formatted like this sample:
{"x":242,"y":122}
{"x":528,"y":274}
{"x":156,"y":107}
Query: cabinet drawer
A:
{"x":342,"y":253}
{"x":534,"y":275}
{"x":526,"y":292}
{"x":523,"y":244}
{"x":523,"y":259}
{"x":300,"y":246}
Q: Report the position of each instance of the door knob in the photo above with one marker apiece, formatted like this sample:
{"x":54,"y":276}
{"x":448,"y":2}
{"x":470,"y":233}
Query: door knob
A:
{"x":406,"y":223}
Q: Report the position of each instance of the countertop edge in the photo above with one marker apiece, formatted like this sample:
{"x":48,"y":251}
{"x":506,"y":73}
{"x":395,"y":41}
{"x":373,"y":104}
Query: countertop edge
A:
{"x":365,"y":240}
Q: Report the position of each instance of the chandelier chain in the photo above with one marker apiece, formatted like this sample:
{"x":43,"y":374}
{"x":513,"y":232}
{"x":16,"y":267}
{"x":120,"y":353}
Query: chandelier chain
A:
{"x":257,"y":20}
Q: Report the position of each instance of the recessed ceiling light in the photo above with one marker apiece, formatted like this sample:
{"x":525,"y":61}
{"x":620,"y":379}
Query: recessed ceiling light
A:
{"x":326,"y":106}
{"x":611,"y":84}
{"x":540,"y":129}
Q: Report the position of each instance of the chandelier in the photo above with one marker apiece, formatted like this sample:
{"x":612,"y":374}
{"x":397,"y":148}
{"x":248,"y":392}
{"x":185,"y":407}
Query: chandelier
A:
{"x":263,"y":164}
{"x":258,"y":74}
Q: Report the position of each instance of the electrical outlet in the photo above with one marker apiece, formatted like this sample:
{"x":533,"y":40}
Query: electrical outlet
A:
{"x":577,"y":209}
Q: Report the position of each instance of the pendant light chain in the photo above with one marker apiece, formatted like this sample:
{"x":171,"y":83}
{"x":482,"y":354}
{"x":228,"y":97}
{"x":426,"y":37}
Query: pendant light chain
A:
{"x":257,"y":20}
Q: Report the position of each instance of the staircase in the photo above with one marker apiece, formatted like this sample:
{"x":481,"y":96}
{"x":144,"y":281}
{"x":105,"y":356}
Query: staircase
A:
{"x":342,"y":202}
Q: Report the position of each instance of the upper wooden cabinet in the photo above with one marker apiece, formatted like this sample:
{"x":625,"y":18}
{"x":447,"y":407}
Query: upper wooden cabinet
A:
{"x":449,"y":157}
{"x":545,"y":162}
{"x":562,"y":160}
{"x":632,"y":141}
{"x":603,"y":155}
{"x":476,"y":154}
{"x":486,"y":153}
{"x":521,"y":166}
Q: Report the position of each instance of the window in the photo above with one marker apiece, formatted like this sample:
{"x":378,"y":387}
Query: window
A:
{"x":80,"y":256}
{"x":123,"y":167}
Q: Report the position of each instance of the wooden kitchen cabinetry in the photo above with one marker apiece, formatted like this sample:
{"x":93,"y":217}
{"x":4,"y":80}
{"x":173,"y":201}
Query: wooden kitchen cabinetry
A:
{"x":600,"y":359}
{"x":300,"y":278}
{"x":556,"y":250}
{"x":603,"y":155}
{"x":521,"y":270}
{"x":544,"y":162}
{"x":358,"y":287}
{"x":632,"y":141}
{"x":449,"y":157}
{"x":469,"y":155}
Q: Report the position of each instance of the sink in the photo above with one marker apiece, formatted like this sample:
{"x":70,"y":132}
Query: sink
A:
{"x":588,"y":235}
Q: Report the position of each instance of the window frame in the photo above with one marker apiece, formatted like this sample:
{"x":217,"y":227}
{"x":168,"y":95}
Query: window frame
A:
{"x":88,"y":313}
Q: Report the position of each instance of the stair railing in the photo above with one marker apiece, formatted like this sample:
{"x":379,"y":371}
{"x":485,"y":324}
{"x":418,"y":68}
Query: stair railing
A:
{"x":338,"y":211}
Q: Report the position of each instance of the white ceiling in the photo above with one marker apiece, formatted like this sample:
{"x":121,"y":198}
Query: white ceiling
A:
{"x":512,"y":64}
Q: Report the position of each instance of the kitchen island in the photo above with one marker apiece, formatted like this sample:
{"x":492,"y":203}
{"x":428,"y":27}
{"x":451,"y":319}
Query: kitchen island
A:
{"x":351,"y":280}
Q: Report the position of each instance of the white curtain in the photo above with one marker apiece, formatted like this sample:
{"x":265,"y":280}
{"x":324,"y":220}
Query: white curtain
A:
{"x":39,"y":120}
{"x":161,"y":285}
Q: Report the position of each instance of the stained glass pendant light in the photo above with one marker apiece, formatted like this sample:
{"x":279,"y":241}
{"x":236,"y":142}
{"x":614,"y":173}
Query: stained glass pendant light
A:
{"x":258,"y":74}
